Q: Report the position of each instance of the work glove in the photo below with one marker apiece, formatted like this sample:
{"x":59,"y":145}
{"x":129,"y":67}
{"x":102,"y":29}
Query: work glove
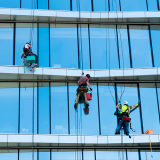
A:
{"x":137,"y":105}
{"x":118,"y":104}
{"x":91,"y":89}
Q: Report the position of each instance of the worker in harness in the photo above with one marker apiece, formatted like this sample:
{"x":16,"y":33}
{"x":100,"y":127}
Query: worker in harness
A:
{"x":83,"y":82}
{"x":124,"y":116}
{"x":27,"y":49}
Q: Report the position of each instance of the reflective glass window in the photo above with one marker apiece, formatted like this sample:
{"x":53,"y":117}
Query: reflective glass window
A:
{"x":43,"y":44}
{"x":99,"y":6}
{"x":31,"y":4}
{"x":104,"y":154}
{"x":63,"y":46}
{"x":26,"y":108}
{"x":27,"y":154}
{"x":136,"y":5}
{"x":152,"y":5}
{"x":6,"y":43}
{"x":149,"y":107}
{"x":129,"y":93}
{"x":43,"y":108}
{"x":132,"y":154}
{"x":30,"y":35}
{"x":59,"y":5}
{"x":107,"y":102}
{"x":103,"y":42}
{"x":6,"y":154}
{"x":87,"y":124}
{"x":114,"y":5}
{"x":140,"y":46}
{"x":88,"y":154}
{"x":44,"y":154}
{"x":85,"y":5}
{"x":146,"y":154}
{"x":59,"y":108}
{"x":123,"y":46}
{"x":43,"y":4}
{"x":9,"y":100}
{"x":84,"y":56}
{"x":155,"y":38}
{"x":10,"y":4}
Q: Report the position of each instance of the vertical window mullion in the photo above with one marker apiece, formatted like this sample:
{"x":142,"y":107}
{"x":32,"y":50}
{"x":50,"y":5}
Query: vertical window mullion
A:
{"x":116,"y":98}
{"x":49,"y":45}
{"x":118,"y":47}
{"x":98,"y":110}
{"x":71,"y":5}
{"x":158,"y":102}
{"x":89,"y":46}
{"x":37,"y":108}
{"x":14,"y":39}
{"x":68,"y":108}
{"x":147,"y":4}
{"x":92,"y":5}
{"x":50,"y":105}
{"x":78,"y":46}
{"x":129,"y":44}
{"x":19,"y":110}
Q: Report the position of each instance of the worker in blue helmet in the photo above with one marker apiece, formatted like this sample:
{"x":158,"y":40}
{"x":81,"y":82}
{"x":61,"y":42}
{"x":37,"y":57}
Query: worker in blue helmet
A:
{"x":83,"y":82}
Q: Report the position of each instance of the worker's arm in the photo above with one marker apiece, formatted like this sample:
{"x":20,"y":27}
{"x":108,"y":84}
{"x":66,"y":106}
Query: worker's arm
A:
{"x":118,"y":105}
{"x":136,"y":105}
{"x":89,"y":86}
{"x":29,"y":45}
{"x":22,"y":55}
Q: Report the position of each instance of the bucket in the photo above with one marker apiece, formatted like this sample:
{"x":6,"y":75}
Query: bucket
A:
{"x":89,"y":96}
{"x":30,"y":59}
{"x":86,"y":111}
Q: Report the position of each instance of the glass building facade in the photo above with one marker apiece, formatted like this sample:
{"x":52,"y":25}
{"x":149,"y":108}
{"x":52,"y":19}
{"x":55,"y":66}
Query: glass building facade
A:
{"x":47,"y":108}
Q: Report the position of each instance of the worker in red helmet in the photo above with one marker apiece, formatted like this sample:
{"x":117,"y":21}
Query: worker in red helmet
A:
{"x":83,"y":82}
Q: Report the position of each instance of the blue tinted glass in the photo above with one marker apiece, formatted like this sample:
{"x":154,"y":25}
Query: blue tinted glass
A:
{"x":100,"y":5}
{"x":103,"y":47}
{"x":30,"y":4}
{"x":9,"y":100}
{"x":136,"y":5}
{"x":6,"y":43}
{"x":10,"y":4}
{"x":9,"y":154}
{"x":26,"y":108}
{"x":59,"y":109}
{"x":155,"y":37}
{"x":44,"y":154}
{"x":88,"y":154}
{"x":59,"y":5}
{"x":129,"y":93}
{"x":146,"y":154}
{"x":43,"y":45}
{"x":42,"y":4}
{"x":26,"y":154}
{"x":43,"y":108}
{"x":132,"y":154}
{"x":63,"y":43}
{"x":84,"y":46}
{"x":152,"y":5}
{"x":90,"y":122}
{"x":107,"y":102}
{"x":140,"y":46}
{"x":123,"y":46}
{"x":149,"y":107}
{"x":114,"y":5}
{"x":24,"y":29}
{"x":85,"y":5}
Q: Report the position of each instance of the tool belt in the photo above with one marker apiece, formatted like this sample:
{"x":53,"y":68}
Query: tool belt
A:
{"x":83,"y":88}
{"x":126,"y":119}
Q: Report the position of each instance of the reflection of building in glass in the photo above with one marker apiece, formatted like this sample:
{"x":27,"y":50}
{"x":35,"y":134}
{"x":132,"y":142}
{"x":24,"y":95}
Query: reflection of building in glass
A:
{"x":117,"y":43}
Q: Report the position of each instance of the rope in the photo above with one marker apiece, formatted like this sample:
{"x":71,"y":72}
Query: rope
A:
{"x":150,"y":145}
{"x":33,"y":121}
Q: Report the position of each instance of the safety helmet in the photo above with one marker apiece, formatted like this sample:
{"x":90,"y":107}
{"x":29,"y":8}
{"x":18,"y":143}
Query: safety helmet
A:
{"x":125,"y":102}
{"x":88,"y":76}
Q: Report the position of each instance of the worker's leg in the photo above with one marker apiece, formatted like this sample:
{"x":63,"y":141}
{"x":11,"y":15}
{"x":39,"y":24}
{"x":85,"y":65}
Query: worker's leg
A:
{"x":77,"y":99}
{"x":36,"y":59}
{"x":85,"y":97}
{"x":127,"y":129}
{"x":119,"y":127}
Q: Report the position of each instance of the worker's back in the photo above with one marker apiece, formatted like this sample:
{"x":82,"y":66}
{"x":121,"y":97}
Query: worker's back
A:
{"x":83,"y":81}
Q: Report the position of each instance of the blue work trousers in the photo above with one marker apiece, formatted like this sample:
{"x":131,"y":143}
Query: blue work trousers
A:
{"x":126,"y":125}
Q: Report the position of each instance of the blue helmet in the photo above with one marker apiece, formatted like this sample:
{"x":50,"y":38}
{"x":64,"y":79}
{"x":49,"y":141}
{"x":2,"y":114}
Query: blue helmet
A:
{"x":88,"y":75}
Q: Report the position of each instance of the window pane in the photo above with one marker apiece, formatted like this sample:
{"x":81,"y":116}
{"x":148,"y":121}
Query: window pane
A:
{"x":136,"y":5}
{"x":140,"y":46}
{"x":9,"y":99}
{"x":132,"y":154}
{"x":114,"y":5}
{"x":149,"y":107}
{"x":26,"y":108}
{"x":102,"y":6}
{"x":26,"y":154}
{"x":21,"y":29}
{"x":6,"y":43}
{"x":63,"y":42}
{"x":10,"y":4}
{"x":43,"y":45}
{"x":59,"y":108}
{"x":43,"y":108}
{"x":146,"y":154}
{"x":106,"y":102}
{"x":88,"y":154}
{"x":44,"y":154}
{"x":103,"y":47}
{"x":123,"y":46}
{"x":129,"y":93}
{"x":59,"y":5}
{"x":11,"y":154}
{"x":42,"y":4}
{"x":85,"y":5}
{"x":84,"y":47}
{"x":31,"y":4}
{"x":152,"y":5}
{"x":155,"y":37}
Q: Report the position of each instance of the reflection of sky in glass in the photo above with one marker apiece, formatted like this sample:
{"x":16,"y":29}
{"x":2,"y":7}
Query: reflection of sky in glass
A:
{"x":10,"y":4}
{"x":85,"y":5}
{"x":114,"y":5}
{"x":147,"y":155}
{"x":9,"y":154}
{"x":59,"y":5}
{"x":152,"y":5}
{"x":44,"y":154}
{"x":43,"y":4}
{"x":132,"y":154}
{"x":102,"y":6}
{"x":26,"y":154}
{"x":29,"y":4}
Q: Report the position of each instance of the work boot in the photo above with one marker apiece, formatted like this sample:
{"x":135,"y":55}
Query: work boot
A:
{"x":87,"y":105}
{"x":117,"y":133}
{"x":75,"y":106}
{"x":128,"y":135}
